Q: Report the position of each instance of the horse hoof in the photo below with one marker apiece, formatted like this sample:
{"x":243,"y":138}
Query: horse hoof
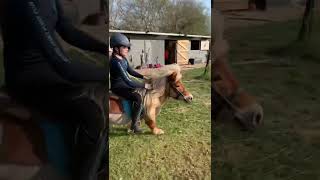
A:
{"x":157,"y":131}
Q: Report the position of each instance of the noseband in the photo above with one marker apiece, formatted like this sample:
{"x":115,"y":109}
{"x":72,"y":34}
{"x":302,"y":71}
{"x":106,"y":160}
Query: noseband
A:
{"x":179,"y":93}
{"x":227,"y":100}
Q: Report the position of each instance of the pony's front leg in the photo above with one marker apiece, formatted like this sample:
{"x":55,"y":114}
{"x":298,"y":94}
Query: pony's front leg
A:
{"x":151,"y":122}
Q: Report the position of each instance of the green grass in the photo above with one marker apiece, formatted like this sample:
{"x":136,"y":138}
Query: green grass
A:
{"x":183,"y":152}
{"x":287,"y":146}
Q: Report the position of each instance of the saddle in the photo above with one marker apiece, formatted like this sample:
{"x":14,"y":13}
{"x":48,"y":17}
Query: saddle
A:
{"x":51,"y":133}
{"x":17,"y":135}
{"x":121,"y":105}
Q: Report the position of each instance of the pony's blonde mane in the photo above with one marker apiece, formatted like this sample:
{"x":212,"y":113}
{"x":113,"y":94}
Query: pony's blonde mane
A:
{"x":220,"y":45}
{"x":159,"y":77}
{"x":162,"y":72}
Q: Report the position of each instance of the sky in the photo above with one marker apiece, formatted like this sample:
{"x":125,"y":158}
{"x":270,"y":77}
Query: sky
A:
{"x":207,"y":4}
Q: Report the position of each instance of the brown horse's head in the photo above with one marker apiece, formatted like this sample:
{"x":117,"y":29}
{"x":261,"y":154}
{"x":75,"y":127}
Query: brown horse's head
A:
{"x":227,"y":94}
{"x":167,"y":81}
{"x":176,"y":88}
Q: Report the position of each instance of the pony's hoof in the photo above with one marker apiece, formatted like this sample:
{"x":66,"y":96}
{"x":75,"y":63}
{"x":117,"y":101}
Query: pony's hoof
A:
{"x":157,"y":131}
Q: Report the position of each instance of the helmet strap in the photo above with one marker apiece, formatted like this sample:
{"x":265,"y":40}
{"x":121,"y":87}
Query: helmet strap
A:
{"x":116,"y":52}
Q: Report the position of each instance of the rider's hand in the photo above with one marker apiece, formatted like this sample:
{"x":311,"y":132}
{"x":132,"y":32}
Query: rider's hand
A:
{"x":148,"y":86}
{"x":147,"y":79}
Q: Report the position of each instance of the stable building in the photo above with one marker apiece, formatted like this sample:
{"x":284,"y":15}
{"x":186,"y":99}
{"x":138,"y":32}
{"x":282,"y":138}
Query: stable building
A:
{"x":165,"y":48}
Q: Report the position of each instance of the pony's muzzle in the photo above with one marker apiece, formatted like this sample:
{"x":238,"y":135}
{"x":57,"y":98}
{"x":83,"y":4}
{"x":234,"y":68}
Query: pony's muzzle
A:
{"x":251,"y":118}
{"x":189,"y":98}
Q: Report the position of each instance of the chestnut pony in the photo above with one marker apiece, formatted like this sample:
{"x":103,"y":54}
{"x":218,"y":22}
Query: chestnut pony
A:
{"x":166,"y":83}
{"x":229,"y":99}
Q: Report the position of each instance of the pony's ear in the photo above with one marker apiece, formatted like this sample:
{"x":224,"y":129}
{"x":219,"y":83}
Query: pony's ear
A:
{"x":173,"y":77}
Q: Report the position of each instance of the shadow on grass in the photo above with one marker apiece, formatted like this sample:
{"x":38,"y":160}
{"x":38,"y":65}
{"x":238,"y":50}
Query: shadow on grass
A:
{"x":122,"y":131}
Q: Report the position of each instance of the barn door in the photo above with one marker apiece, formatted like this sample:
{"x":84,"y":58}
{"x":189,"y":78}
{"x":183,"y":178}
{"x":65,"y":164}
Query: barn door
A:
{"x":183,"y":47}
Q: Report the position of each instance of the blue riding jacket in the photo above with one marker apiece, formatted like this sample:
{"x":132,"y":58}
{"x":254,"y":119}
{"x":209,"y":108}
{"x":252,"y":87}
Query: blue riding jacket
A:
{"x":119,"y":70}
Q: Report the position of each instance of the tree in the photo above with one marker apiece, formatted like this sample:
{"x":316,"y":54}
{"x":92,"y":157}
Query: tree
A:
{"x":142,"y":15}
{"x":176,"y":16}
{"x":116,"y":12}
{"x":206,"y":69}
{"x":186,"y":17}
{"x":307,"y":22}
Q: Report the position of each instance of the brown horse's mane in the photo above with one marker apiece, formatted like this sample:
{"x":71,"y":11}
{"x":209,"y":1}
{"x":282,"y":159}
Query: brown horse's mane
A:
{"x":225,"y":81}
{"x":160,"y":77}
{"x":164,"y":71}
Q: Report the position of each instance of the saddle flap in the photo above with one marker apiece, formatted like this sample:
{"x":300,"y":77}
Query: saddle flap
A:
{"x":119,"y":105}
{"x":9,"y":107}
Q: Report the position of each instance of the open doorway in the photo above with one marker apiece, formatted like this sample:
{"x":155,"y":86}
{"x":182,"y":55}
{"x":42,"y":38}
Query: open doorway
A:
{"x":257,"y":4}
{"x":170,"y":52}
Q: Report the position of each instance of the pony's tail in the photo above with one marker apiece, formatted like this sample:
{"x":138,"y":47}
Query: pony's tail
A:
{"x":220,"y":46}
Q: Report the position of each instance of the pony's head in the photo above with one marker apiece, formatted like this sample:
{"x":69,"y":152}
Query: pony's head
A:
{"x":227,"y":94}
{"x":177,"y":89}
{"x":167,"y":81}
{"x":229,"y":97}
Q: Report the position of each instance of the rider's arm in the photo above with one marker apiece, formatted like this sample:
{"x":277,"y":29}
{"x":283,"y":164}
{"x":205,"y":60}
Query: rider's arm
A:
{"x":45,"y":38}
{"x":76,"y":37}
{"x":133,"y":72}
{"x":118,"y":67}
{"x":56,"y":56}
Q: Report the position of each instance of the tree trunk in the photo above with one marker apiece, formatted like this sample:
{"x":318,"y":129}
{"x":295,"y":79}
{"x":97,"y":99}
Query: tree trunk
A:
{"x":307,"y":22}
{"x":207,"y":62}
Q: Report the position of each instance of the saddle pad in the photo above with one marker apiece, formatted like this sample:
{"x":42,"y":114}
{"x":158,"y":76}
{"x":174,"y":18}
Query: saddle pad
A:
{"x":57,"y":150}
{"x":127,"y":107}
{"x":127,"y":104}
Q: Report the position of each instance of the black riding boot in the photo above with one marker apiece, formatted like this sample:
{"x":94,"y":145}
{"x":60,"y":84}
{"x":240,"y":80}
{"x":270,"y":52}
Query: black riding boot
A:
{"x":91,"y":140}
{"x":137,"y":109}
{"x":90,"y":157}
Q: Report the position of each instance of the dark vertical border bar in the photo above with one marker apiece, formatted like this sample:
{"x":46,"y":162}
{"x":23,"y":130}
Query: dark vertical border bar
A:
{"x":212,"y":100}
{"x":105,"y":7}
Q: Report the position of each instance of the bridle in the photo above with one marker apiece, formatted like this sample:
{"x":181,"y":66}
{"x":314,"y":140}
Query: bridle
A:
{"x":177,"y":91}
{"x":227,"y":100}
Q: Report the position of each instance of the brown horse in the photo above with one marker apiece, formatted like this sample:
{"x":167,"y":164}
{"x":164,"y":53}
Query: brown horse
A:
{"x":167,"y":83}
{"x":230,"y":101}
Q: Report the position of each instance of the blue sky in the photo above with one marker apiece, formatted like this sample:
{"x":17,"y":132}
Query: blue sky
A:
{"x":207,"y":4}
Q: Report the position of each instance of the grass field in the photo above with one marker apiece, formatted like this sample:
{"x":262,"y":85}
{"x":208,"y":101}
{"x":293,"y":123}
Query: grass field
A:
{"x":287,"y":146}
{"x":183,"y":152}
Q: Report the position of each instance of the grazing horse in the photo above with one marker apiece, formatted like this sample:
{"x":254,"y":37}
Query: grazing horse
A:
{"x":166,"y":83}
{"x":229,"y":100}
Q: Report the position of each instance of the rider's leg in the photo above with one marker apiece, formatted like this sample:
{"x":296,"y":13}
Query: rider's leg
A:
{"x":135,"y":97}
{"x":90,"y":139}
{"x":137,"y":109}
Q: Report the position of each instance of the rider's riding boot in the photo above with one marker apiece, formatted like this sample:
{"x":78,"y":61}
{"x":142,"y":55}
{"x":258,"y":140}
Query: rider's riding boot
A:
{"x":137,"y":109}
{"x":89,"y":154}
{"x":103,"y":152}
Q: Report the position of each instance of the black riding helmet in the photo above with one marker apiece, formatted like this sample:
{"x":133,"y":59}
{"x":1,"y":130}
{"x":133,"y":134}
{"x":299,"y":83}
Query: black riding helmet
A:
{"x":118,"y":39}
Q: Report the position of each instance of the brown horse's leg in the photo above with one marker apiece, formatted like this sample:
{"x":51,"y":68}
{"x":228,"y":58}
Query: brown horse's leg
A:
{"x":151,"y":122}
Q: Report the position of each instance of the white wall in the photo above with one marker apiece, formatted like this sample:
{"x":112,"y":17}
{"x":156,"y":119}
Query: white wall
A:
{"x":198,"y":56}
{"x":154,"y":48}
